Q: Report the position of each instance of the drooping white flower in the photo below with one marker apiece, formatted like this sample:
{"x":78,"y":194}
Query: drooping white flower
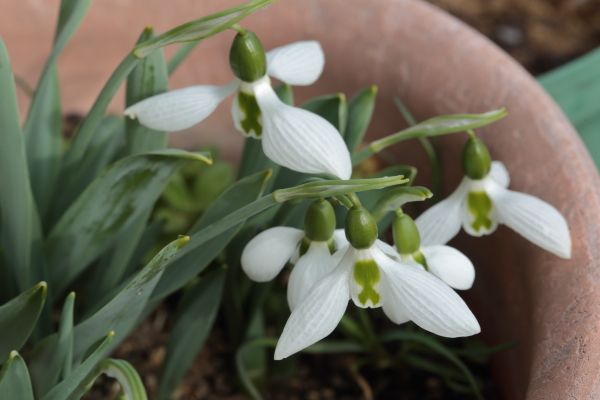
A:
{"x":369,"y":277}
{"x":292,"y":137}
{"x":479,"y":205}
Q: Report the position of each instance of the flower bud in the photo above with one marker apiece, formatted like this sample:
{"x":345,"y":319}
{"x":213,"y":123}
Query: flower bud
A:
{"x":476,"y":159}
{"x":406,"y":234}
{"x":247,"y":57}
{"x":319,"y":221}
{"x":361,"y":228}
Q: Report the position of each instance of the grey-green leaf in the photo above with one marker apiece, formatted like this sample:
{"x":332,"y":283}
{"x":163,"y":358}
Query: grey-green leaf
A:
{"x":201,"y":28}
{"x":193,"y":323}
{"x":395,"y":198}
{"x":14,"y":379}
{"x":360,"y":112}
{"x":124,"y":373}
{"x":18,"y":318}
{"x":110,"y":203}
{"x":20,"y":221}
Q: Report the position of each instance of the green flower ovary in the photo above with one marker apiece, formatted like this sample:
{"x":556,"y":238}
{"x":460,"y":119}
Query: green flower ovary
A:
{"x":367,"y":276}
{"x":480,"y":206}
{"x":250,"y":113}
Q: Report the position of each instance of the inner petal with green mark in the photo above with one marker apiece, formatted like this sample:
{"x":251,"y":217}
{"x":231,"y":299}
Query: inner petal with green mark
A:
{"x":480,"y":206}
{"x":249,"y":114}
{"x":419,"y":257}
{"x":367,"y":276}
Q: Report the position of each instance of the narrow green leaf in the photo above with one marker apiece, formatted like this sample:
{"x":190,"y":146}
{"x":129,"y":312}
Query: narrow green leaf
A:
{"x":132,"y":386}
{"x":395,"y":198}
{"x":43,"y":127}
{"x":435,"y":126}
{"x":116,"y":198}
{"x":14,"y":379}
{"x":227,"y":214}
{"x":19,"y":316}
{"x":59,"y":366}
{"x":20,"y":222}
{"x":193,"y":323}
{"x":360,"y":112}
{"x":71,"y":387}
{"x":201,"y":28}
{"x":148,"y":78}
{"x":332,"y":107}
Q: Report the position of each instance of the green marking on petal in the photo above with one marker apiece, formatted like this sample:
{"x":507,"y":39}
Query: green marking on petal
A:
{"x":366,"y":275}
{"x":420,"y":258}
{"x":250,"y":114}
{"x":480,"y":207}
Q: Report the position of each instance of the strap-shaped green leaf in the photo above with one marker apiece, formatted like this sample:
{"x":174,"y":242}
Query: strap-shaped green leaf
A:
{"x":116,"y":198}
{"x":194,"y":321}
{"x":332,"y":107}
{"x":360,"y":111}
{"x":19,"y":316}
{"x":435,"y":126}
{"x":226,"y":213}
{"x":148,"y":78}
{"x":132,"y":387}
{"x":201,"y":28}
{"x":395,"y":198}
{"x":73,"y":386}
{"x":43,"y":127}
{"x":20,"y":221}
{"x":14,"y":379}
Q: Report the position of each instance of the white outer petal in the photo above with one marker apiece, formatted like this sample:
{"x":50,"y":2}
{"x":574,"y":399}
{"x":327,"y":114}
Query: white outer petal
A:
{"x":268,"y":252}
{"x":318,"y":314}
{"x":309,"y":270}
{"x":499,"y":174}
{"x":298,"y":63}
{"x":450,"y":265}
{"x":179,"y":109}
{"x":300,"y":140}
{"x":534,"y":219}
{"x":388,"y":250}
{"x":440,"y":223}
{"x":426,"y":300}
{"x":339,"y":238}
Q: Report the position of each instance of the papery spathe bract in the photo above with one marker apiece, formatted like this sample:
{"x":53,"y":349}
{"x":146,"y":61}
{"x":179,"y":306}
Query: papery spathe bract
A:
{"x":480,"y":205}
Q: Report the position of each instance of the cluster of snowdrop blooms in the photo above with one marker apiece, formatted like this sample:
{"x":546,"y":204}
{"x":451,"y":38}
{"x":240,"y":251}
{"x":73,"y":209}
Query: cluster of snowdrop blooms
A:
{"x":413,"y":280}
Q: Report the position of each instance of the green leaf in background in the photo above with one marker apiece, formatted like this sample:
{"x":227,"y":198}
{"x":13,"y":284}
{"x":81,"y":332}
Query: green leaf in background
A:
{"x":73,"y":386}
{"x":395,"y":198}
{"x":15,"y":383}
{"x":332,"y":107}
{"x":132,"y":387}
{"x":43,"y":127}
{"x":148,"y":78}
{"x":21,"y":230}
{"x":360,"y":112}
{"x":59,"y":366}
{"x":242,"y":193}
{"x":111,"y":202}
{"x":193,"y":323}
{"x":201,"y":28}
{"x":435,"y":126}
{"x":19,"y":316}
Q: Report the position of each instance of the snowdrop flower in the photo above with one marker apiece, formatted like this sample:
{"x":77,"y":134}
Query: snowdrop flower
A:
{"x":482,"y":201}
{"x":292,"y":137}
{"x":370,"y":278}
{"x":310,"y":250}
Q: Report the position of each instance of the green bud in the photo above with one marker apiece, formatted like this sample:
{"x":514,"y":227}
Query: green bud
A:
{"x":361,"y":228}
{"x":247,"y":57}
{"x":476,"y":159}
{"x":319,"y":221}
{"x":406,"y":234}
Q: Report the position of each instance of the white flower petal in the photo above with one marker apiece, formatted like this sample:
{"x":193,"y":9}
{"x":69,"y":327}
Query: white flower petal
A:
{"x":299,"y":139}
{"x":317,"y":315}
{"x":299,"y":63}
{"x":450,"y":265}
{"x":442,"y":222}
{"x":388,"y":250}
{"x":480,"y":217}
{"x":534,"y":219}
{"x":179,"y":109}
{"x":339,"y":238}
{"x":310,"y":269}
{"x":499,"y":174}
{"x":268,"y":252}
{"x":426,"y":300}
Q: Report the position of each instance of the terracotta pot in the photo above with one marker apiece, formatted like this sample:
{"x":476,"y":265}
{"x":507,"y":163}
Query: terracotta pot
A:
{"x":547,"y":306}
